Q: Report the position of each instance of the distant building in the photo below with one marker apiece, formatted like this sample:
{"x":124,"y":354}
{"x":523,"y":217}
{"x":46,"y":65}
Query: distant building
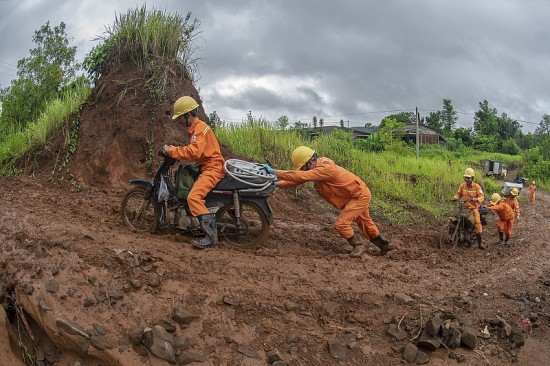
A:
{"x":427,"y":135}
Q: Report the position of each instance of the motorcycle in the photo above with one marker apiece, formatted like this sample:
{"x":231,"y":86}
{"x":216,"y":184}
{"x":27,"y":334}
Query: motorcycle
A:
{"x":239,"y":201}
{"x":459,"y":228}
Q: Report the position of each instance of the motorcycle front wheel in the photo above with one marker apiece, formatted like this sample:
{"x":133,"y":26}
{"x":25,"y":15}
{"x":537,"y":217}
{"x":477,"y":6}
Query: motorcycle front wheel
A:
{"x":246,"y":232}
{"x":138,"y":213}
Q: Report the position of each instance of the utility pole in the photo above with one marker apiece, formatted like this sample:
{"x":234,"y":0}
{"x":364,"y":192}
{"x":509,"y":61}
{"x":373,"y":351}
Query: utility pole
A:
{"x":417,"y":136}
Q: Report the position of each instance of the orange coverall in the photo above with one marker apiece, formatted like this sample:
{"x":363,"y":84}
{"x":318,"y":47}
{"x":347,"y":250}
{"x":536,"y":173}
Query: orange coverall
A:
{"x":204,"y":149}
{"x":514,"y":204}
{"x":342,"y":189}
{"x":467,"y":193}
{"x":532,"y":191}
{"x":505,"y":217}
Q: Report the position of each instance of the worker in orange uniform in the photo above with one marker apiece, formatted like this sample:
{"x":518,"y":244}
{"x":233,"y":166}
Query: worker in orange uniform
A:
{"x":204,"y":149}
{"x":505,"y":214}
{"x":341,"y":188}
{"x":512,"y":201}
{"x":532,"y":192}
{"x":472,"y":194}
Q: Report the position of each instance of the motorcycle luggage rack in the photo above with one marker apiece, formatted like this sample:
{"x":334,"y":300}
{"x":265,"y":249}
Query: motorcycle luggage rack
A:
{"x":252,"y":174}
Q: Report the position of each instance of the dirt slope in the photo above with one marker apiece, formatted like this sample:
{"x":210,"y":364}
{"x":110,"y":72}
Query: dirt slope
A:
{"x":66,"y":259}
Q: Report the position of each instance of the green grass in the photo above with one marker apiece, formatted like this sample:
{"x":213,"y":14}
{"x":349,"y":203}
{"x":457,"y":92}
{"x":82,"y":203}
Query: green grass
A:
{"x":405,"y":190}
{"x":15,"y":143}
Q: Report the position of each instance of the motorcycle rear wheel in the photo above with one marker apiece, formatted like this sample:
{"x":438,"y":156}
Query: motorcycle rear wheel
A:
{"x":139,"y":214}
{"x":251,"y":230}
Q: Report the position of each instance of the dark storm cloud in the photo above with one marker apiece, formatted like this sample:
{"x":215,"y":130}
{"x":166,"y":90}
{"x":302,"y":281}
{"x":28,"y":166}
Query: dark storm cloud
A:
{"x":340,"y":60}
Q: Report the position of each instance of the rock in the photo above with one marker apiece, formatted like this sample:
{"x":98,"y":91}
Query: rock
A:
{"x":402,"y":299}
{"x":336,"y":350}
{"x":409,"y":352}
{"x":162,"y":344}
{"x":398,"y":334}
{"x":115,"y":294}
{"x":141,"y":350}
{"x":71,"y":328}
{"x":100,"y":342}
{"x":183,"y":316}
{"x":182,"y":344}
{"x":517,"y":338}
{"x":185,"y":358}
{"x":170,"y":327}
{"x":292,"y":337}
{"x":249,"y":352}
{"x":154,"y":280}
{"x":425,"y":341}
{"x":468,"y":338}
{"x":136,"y":284}
{"x":276,"y":356}
{"x":135,"y":334}
{"x":52,"y":286}
{"x":230,"y":301}
{"x":291,"y":306}
{"x":421,"y":358}
{"x":432,"y":326}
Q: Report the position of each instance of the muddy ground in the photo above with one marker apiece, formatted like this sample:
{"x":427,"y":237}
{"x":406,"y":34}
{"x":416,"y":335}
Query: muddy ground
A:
{"x":77,"y":287}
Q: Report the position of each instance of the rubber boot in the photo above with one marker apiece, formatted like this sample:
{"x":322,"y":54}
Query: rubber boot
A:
{"x":358,"y":248}
{"x":208,"y":225}
{"x":479,"y":241}
{"x":381,"y":243}
{"x":507,"y":241}
{"x":501,"y":237}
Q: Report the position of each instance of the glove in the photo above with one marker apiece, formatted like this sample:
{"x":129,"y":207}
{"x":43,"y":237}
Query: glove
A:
{"x":163,"y":151}
{"x":268,"y":169}
{"x":276,"y":184}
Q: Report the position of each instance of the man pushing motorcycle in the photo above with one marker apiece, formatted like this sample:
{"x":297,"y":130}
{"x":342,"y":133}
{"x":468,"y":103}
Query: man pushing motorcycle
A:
{"x":341,"y":188}
{"x":203,"y":149}
{"x":472,"y":194}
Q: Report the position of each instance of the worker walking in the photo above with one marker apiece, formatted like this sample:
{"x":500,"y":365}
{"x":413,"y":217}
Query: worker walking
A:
{"x":511,"y":200}
{"x":341,"y":188}
{"x":532,"y":192}
{"x":472,"y":194}
{"x":505,"y":214}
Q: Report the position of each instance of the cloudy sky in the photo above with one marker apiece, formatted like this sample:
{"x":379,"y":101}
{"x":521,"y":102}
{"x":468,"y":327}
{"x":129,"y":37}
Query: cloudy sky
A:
{"x":351,"y":60}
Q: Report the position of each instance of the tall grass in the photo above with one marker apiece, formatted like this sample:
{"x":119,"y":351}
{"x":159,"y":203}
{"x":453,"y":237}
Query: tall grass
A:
{"x":405,"y":189}
{"x":142,"y":35}
{"x":16,"y":143}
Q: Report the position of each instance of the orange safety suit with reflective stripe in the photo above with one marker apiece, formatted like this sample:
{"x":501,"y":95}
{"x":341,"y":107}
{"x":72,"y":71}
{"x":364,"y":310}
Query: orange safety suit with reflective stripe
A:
{"x":532,"y":192}
{"x":514,"y":204}
{"x":204,"y":149}
{"x":505,"y":217}
{"x":341,"y":188}
{"x":467,"y":193}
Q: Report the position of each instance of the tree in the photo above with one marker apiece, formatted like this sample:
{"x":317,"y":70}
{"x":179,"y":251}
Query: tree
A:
{"x":215,"y":120}
{"x":282,"y":122}
{"x":315,"y":122}
{"x":486,"y":120}
{"x":448,"y":117}
{"x":434,"y":121}
{"x":544,"y":126}
{"x":507,"y":128}
{"x":321,"y":122}
{"x":41,"y":76}
{"x":391,"y":131}
{"x":404,"y":118}
{"x":342,"y":123}
{"x":465,"y":135}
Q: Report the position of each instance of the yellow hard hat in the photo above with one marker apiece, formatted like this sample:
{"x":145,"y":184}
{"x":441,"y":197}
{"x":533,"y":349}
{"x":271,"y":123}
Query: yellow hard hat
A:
{"x":495,"y":198}
{"x":300,"y":156}
{"x":183,"y":105}
{"x":514,"y":192}
{"x":469,"y":173}
{"x":533,"y":182}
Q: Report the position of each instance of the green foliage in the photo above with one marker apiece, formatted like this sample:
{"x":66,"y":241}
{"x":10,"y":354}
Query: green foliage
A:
{"x":510,"y":147}
{"x":95,"y":61}
{"x":405,"y":189}
{"x":19,"y":141}
{"x":282,"y":122}
{"x":41,"y":77}
{"x":448,"y":117}
{"x":373,"y":143}
{"x":485,"y":143}
{"x":215,"y":120}
{"x":391,"y":131}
